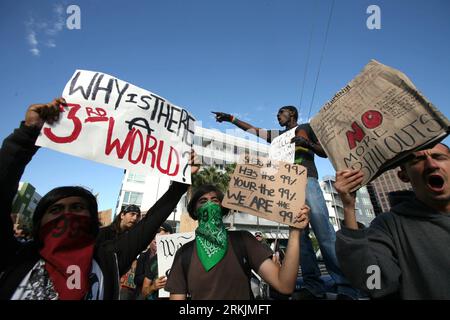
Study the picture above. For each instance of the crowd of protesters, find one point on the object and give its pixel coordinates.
(402, 254)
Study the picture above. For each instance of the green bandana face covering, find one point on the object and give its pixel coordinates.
(211, 236)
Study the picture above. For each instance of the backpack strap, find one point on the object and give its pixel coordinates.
(186, 256)
(237, 243)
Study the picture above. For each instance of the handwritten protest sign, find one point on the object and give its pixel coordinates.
(167, 246)
(281, 148)
(114, 122)
(377, 120)
(273, 190)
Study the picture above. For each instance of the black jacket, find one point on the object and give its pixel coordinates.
(114, 257)
(107, 233)
(410, 245)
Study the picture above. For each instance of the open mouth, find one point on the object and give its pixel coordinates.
(435, 182)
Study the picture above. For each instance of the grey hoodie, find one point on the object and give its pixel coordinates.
(411, 247)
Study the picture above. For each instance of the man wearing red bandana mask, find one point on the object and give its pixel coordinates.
(66, 224)
(64, 261)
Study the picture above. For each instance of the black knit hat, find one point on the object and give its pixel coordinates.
(64, 192)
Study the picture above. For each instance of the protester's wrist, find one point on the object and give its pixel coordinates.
(348, 203)
(233, 120)
(349, 210)
(31, 130)
(294, 231)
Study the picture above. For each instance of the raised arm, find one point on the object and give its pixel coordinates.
(130, 244)
(361, 252)
(283, 278)
(15, 154)
(346, 181)
(226, 117)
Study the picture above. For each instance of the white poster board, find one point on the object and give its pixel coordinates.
(114, 122)
(281, 148)
(167, 246)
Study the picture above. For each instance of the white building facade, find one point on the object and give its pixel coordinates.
(214, 148)
(364, 209)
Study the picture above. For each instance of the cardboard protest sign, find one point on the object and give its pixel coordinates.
(273, 190)
(167, 246)
(376, 120)
(281, 148)
(114, 122)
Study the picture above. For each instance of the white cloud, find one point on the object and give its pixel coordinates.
(35, 51)
(41, 32)
(58, 25)
(32, 41)
(56, 28)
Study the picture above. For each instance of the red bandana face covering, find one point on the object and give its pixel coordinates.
(67, 251)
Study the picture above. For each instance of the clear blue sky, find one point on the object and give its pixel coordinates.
(245, 57)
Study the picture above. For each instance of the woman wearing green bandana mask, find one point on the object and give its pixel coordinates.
(214, 271)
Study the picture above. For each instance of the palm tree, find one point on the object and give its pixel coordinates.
(210, 175)
(207, 175)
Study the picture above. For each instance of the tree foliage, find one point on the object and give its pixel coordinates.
(211, 175)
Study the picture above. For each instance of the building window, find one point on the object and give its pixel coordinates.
(197, 140)
(136, 177)
(207, 161)
(369, 213)
(206, 142)
(132, 198)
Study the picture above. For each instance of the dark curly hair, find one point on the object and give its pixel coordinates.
(204, 189)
